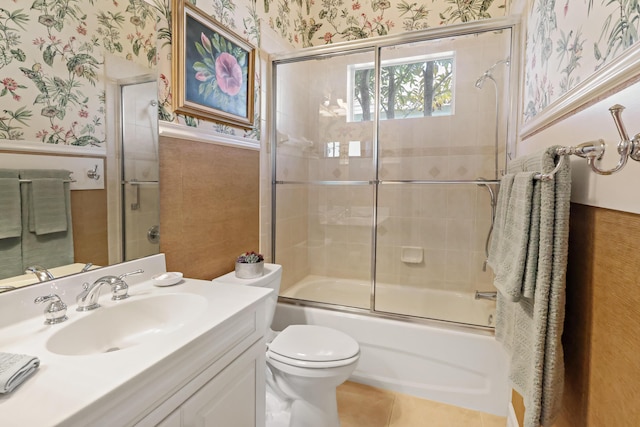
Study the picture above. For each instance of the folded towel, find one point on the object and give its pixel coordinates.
(47, 206)
(10, 221)
(509, 247)
(531, 328)
(14, 369)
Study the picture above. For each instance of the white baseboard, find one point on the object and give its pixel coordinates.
(512, 421)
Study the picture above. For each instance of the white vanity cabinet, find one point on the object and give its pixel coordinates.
(234, 397)
(228, 393)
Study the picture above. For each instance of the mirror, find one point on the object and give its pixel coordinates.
(107, 55)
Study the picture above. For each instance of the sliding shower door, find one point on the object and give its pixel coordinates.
(386, 163)
(324, 183)
(439, 156)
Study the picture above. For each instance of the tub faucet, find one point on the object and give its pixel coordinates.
(42, 273)
(88, 299)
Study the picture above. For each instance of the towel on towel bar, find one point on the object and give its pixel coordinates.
(530, 329)
(51, 249)
(10, 224)
(47, 206)
(511, 238)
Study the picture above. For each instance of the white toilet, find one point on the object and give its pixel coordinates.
(305, 364)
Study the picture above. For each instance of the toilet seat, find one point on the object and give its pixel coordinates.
(311, 346)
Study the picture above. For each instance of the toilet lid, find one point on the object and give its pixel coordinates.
(314, 344)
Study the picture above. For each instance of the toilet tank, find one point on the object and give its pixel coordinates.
(270, 279)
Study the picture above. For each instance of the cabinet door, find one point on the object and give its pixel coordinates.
(232, 398)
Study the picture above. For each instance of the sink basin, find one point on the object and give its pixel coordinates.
(125, 324)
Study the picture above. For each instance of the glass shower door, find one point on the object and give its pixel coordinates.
(441, 143)
(324, 182)
(140, 185)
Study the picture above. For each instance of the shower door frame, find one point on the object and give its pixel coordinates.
(121, 223)
(376, 44)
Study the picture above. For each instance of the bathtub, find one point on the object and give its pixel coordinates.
(442, 362)
(460, 307)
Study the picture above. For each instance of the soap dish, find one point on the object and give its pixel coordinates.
(167, 279)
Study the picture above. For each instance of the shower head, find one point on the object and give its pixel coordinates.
(489, 73)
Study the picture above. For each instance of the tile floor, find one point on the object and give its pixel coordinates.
(364, 406)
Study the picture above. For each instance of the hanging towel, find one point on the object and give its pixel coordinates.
(509, 246)
(530, 329)
(51, 249)
(47, 206)
(10, 224)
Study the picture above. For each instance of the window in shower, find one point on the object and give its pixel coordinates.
(415, 86)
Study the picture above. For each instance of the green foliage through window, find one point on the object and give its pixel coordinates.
(413, 88)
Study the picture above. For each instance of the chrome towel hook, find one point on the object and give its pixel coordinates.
(93, 173)
(626, 147)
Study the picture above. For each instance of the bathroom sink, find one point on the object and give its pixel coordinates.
(126, 324)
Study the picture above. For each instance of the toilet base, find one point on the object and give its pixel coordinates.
(301, 413)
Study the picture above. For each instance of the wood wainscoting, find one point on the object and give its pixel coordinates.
(601, 340)
(209, 206)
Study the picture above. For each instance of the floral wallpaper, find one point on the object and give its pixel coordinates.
(52, 51)
(51, 65)
(307, 23)
(569, 41)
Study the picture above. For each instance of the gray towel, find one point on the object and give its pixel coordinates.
(47, 206)
(531, 328)
(14, 369)
(52, 249)
(509, 246)
(10, 224)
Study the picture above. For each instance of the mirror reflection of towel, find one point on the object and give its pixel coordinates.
(47, 206)
(10, 220)
(10, 224)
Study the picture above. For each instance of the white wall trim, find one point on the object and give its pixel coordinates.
(599, 84)
(174, 130)
(512, 420)
(30, 146)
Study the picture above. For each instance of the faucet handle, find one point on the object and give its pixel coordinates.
(119, 287)
(131, 273)
(56, 310)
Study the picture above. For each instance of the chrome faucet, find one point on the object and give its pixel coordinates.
(42, 273)
(88, 298)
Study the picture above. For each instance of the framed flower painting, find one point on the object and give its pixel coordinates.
(213, 70)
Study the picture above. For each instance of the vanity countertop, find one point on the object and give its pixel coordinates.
(74, 389)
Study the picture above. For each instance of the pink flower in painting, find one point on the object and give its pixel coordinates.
(16, 97)
(228, 74)
(81, 30)
(83, 113)
(202, 76)
(355, 6)
(327, 37)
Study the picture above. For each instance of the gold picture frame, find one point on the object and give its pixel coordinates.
(213, 69)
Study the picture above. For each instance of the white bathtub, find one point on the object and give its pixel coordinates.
(440, 362)
(437, 304)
